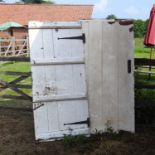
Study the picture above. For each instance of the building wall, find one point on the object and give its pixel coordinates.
(20, 33)
(17, 33)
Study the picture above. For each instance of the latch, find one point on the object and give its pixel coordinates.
(81, 122)
(82, 37)
(129, 66)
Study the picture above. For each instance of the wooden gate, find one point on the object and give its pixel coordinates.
(14, 47)
(59, 80)
(13, 79)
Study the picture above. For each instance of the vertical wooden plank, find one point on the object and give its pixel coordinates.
(48, 46)
(125, 79)
(79, 80)
(71, 112)
(38, 76)
(94, 73)
(41, 119)
(64, 83)
(109, 76)
(36, 44)
(52, 115)
(102, 74)
(50, 86)
(72, 47)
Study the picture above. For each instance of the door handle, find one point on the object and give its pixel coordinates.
(129, 66)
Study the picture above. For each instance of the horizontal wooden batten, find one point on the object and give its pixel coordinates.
(61, 98)
(56, 27)
(58, 61)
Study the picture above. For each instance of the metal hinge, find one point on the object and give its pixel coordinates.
(82, 37)
(37, 106)
(81, 122)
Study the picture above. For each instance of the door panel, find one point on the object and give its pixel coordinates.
(72, 47)
(59, 83)
(60, 80)
(72, 112)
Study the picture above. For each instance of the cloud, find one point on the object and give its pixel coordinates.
(101, 5)
(100, 8)
(132, 11)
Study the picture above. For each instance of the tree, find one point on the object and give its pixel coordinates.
(140, 27)
(37, 1)
(111, 16)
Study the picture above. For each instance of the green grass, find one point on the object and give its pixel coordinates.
(140, 50)
(17, 67)
(143, 96)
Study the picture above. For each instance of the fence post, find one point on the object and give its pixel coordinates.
(27, 45)
(0, 47)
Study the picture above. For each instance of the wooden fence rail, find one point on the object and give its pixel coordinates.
(19, 59)
(15, 85)
(144, 62)
(14, 47)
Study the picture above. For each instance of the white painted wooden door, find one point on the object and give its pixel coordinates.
(59, 80)
(110, 70)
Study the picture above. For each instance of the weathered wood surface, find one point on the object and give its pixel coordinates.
(110, 86)
(59, 81)
(137, 61)
(125, 54)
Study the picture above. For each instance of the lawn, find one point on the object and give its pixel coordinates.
(140, 50)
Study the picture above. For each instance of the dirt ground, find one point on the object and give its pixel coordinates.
(17, 138)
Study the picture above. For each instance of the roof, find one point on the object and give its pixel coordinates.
(23, 13)
(9, 25)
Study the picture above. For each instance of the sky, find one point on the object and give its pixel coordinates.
(134, 9)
